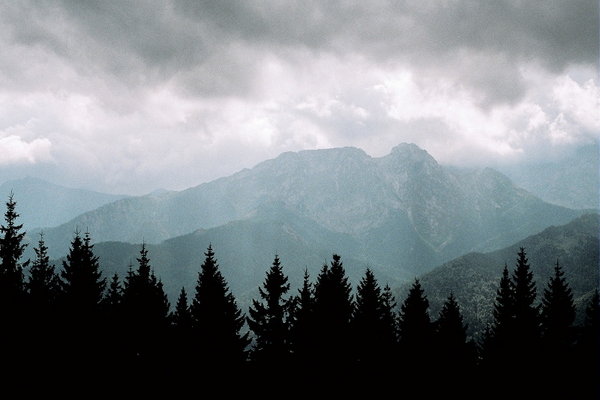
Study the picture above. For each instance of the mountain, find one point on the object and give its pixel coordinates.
(245, 250)
(573, 181)
(404, 209)
(43, 204)
(474, 277)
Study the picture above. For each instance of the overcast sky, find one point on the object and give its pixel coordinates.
(129, 96)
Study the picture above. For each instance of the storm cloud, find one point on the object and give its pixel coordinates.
(128, 96)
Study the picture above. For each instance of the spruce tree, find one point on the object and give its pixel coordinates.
(333, 313)
(43, 284)
(42, 293)
(558, 315)
(498, 337)
(181, 337)
(389, 320)
(81, 295)
(145, 312)
(368, 321)
(217, 320)
(182, 316)
(526, 337)
(11, 267)
(416, 330)
(303, 329)
(455, 354)
(269, 319)
(82, 283)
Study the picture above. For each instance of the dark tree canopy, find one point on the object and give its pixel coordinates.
(269, 318)
(217, 320)
(558, 313)
(82, 282)
(455, 354)
(333, 312)
(11, 251)
(415, 327)
(303, 324)
(370, 322)
(43, 284)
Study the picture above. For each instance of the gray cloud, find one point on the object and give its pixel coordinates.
(120, 91)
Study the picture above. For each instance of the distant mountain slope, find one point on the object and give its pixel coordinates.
(573, 181)
(43, 204)
(473, 278)
(245, 249)
(404, 209)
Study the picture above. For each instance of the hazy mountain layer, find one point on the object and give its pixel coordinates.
(43, 204)
(572, 182)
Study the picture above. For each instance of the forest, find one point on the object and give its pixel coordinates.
(71, 321)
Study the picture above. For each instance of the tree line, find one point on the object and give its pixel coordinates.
(75, 318)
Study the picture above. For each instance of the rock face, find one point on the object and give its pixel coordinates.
(404, 211)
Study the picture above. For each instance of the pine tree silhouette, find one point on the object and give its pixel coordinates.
(81, 295)
(333, 313)
(498, 338)
(389, 318)
(181, 337)
(416, 331)
(11, 269)
(146, 310)
(558, 315)
(182, 316)
(269, 319)
(455, 354)
(526, 315)
(303, 325)
(43, 284)
(217, 320)
(368, 323)
(42, 288)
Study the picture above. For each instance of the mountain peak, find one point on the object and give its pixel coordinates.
(410, 151)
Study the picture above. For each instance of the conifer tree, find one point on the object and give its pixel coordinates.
(11, 267)
(269, 319)
(146, 310)
(217, 320)
(526, 337)
(82, 283)
(389, 320)
(42, 294)
(499, 336)
(82, 287)
(368, 321)
(454, 353)
(333, 313)
(416, 330)
(182, 316)
(43, 284)
(558, 315)
(114, 297)
(303, 329)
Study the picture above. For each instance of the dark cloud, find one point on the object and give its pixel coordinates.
(224, 42)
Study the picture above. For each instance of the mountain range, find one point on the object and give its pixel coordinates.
(403, 212)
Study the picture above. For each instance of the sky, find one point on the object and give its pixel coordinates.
(131, 96)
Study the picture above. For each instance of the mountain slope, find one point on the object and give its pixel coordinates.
(245, 249)
(474, 277)
(403, 208)
(43, 204)
(573, 181)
